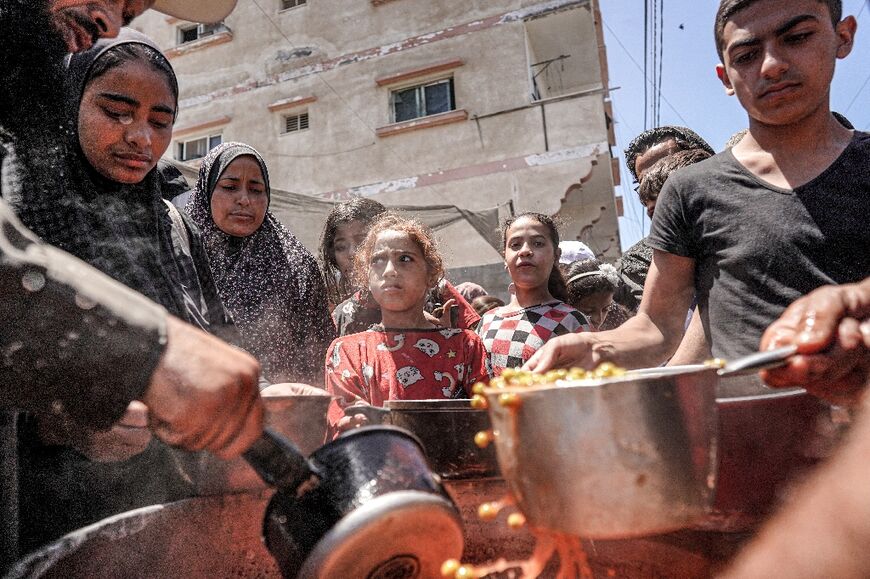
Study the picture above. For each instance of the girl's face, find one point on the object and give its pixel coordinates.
(348, 237)
(239, 200)
(398, 273)
(125, 121)
(595, 307)
(529, 253)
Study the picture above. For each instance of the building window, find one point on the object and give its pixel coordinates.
(295, 123)
(196, 31)
(423, 100)
(287, 4)
(197, 148)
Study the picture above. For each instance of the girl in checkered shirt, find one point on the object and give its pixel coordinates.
(537, 310)
(407, 356)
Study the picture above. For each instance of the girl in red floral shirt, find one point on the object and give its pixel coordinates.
(406, 357)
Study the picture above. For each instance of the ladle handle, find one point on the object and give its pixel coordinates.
(759, 361)
(278, 461)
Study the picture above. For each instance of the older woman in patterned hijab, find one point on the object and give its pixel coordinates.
(266, 278)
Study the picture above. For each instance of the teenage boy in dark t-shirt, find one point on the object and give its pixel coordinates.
(777, 216)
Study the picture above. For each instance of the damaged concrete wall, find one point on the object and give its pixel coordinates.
(334, 60)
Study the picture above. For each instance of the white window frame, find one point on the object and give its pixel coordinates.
(291, 4)
(181, 146)
(202, 31)
(421, 87)
(302, 119)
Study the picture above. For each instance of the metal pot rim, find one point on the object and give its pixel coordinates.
(435, 405)
(369, 430)
(285, 397)
(633, 376)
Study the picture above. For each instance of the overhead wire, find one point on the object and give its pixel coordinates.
(639, 68)
(857, 94)
(630, 209)
(661, 59)
(645, 63)
(655, 60)
(864, 5)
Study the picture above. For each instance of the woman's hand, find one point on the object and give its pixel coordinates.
(354, 416)
(351, 422)
(441, 317)
(127, 437)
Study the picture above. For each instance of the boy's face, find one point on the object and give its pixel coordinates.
(779, 58)
(83, 22)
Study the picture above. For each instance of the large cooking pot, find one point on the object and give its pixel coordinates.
(629, 456)
(221, 537)
(612, 458)
(365, 505)
(446, 428)
(766, 442)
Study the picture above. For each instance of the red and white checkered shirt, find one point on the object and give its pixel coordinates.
(512, 336)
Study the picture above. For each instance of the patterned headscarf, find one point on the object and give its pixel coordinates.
(268, 281)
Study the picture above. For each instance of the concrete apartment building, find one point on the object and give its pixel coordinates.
(484, 104)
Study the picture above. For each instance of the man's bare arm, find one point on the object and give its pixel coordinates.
(648, 339)
(694, 348)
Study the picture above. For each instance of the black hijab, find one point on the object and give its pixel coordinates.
(122, 230)
(31, 100)
(268, 281)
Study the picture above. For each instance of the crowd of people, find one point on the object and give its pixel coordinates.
(132, 326)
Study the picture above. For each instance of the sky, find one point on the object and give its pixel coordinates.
(692, 96)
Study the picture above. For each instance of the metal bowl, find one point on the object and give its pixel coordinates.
(610, 459)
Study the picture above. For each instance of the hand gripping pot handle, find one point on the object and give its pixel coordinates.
(278, 461)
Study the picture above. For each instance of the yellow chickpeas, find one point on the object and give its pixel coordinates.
(517, 378)
(509, 400)
(449, 568)
(465, 572)
(516, 521)
(483, 438)
(487, 511)
(479, 402)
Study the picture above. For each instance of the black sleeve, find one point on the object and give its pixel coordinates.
(71, 338)
(318, 330)
(632, 268)
(671, 230)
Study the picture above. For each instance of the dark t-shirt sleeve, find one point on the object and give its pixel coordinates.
(70, 334)
(671, 230)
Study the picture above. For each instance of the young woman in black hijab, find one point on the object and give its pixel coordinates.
(267, 279)
(122, 101)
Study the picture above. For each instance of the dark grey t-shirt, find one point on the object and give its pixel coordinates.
(758, 247)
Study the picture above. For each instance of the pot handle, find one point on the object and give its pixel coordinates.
(759, 361)
(374, 414)
(279, 462)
